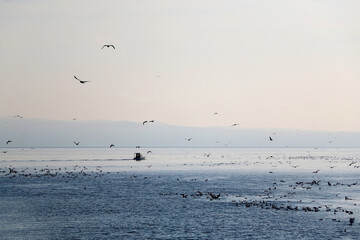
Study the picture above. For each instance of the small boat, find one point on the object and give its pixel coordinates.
(138, 157)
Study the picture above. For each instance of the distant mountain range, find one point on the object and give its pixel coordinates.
(25, 132)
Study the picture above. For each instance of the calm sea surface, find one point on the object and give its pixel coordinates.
(190, 193)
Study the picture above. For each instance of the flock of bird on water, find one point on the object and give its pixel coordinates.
(268, 199)
(278, 196)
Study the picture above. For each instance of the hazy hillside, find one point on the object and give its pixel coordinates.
(49, 133)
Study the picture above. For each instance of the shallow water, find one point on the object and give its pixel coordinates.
(102, 194)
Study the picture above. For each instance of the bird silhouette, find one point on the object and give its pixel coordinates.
(270, 138)
(18, 116)
(214, 196)
(81, 81)
(234, 125)
(76, 143)
(108, 45)
(207, 155)
(316, 171)
(150, 121)
(112, 145)
(188, 139)
(9, 141)
(215, 113)
(149, 152)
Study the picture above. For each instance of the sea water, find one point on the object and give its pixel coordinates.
(187, 193)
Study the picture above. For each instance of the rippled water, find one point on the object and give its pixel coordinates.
(103, 194)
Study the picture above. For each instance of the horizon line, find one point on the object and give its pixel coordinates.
(169, 124)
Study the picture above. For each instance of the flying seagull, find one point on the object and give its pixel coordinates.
(234, 125)
(76, 143)
(18, 116)
(150, 121)
(270, 138)
(9, 141)
(189, 139)
(215, 113)
(112, 145)
(108, 45)
(81, 81)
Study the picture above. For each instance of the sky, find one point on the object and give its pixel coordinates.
(259, 63)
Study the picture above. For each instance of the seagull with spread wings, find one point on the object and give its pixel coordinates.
(108, 45)
(81, 81)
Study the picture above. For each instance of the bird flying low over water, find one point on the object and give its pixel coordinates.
(148, 152)
(76, 143)
(108, 45)
(234, 125)
(188, 139)
(9, 141)
(144, 122)
(81, 81)
(18, 116)
(215, 113)
(270, 138)
(112, 145)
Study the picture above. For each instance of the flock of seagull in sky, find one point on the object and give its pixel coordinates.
(144, 122)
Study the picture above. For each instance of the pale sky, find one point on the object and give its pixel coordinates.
(262, 64)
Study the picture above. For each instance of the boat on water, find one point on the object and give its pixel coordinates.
(138, 157)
